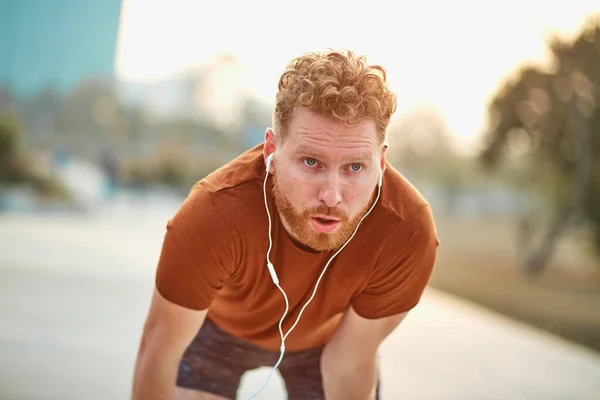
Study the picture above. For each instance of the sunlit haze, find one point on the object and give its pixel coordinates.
(449, 55)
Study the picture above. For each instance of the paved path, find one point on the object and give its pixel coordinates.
(74, 291)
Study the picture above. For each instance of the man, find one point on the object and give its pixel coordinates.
(245, 237)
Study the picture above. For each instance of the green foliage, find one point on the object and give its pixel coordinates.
(12, 167)
(549, 120)
(9, 138)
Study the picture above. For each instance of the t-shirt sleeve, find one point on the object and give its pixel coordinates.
(197, 257)
(397, 286)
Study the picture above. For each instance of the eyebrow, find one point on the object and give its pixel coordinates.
(363, 156)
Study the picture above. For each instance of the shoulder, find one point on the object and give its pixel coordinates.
(404, 237)
(222, 201)
(226, 188)
(405, 221)
(248, 167)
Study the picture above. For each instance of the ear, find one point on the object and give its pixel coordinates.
(382, 159)
(269, 146)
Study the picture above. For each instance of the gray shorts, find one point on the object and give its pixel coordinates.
(215, 362)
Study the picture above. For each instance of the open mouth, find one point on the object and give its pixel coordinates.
(324, 224)
(324, 220)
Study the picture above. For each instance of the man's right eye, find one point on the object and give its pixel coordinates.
(311, 162)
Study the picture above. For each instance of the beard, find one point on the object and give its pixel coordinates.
(301, 229)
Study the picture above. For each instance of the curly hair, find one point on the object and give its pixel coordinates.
(337, 84)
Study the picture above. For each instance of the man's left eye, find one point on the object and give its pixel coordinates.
(356, 167)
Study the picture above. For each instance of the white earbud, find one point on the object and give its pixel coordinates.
(386, 144)
(269, 161)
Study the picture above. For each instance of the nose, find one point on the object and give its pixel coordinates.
(331, 191)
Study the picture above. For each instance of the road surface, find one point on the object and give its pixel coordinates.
(74, 291)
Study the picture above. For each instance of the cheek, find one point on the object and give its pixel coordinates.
(297, 189)
(304, 191)
(358, 196)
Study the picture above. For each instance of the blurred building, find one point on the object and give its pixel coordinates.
(56, 43)
(215, 91)
(167, 98)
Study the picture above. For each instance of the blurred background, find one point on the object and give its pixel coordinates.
(110, 110)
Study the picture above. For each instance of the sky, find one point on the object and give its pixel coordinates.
(447, 55)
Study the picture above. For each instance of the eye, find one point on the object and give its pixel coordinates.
(311, 162)
(356, 167)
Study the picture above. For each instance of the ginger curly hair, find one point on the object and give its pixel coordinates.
(337, 84)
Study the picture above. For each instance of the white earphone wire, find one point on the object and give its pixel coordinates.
(276, 280)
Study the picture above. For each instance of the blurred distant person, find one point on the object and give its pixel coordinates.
(312, 225)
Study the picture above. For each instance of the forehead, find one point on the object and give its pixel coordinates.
(310, 131)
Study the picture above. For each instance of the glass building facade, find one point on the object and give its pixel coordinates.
(56, 43)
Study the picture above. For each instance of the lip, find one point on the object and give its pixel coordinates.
(324, 227)
(327, 217)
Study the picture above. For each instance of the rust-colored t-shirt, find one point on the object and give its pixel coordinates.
(214, 257)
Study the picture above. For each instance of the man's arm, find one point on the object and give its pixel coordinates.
(168, 330)
(348, 363)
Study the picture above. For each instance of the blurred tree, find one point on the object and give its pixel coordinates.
(12, 167)
(94, 117)
(94, 122)
(420, 142)
(550, 122)
(422, 147)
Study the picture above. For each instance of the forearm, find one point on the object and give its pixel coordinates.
(347, 380)
(155, 376)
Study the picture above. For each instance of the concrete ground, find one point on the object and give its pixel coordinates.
(74, 291)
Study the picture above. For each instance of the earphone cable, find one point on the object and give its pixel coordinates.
(276, 279)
